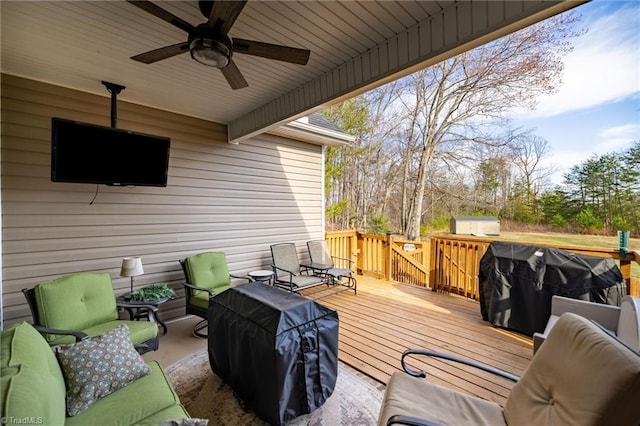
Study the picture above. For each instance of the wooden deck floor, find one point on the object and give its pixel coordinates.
(385, 318)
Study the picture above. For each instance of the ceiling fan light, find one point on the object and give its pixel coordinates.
(210, 52)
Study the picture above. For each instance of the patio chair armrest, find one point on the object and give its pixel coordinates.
(471, 363)
(240, 277)
(79, 335)
(343, 258)
(399, 419)
(277, 268)
(195, 287)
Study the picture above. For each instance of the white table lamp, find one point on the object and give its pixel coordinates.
(131, 267)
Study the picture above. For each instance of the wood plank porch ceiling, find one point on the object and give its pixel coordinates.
(355, 46)
(385, 318)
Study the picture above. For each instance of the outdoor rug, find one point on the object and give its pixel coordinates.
(356, 398)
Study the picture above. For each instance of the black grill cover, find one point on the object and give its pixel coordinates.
(277, 350)
(517, 282)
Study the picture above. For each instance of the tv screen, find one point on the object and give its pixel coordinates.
(88, 153)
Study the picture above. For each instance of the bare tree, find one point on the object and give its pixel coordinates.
(360, 176)
(428, 133)
(479, 85)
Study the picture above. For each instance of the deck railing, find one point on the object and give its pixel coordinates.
(372, 255)
(383, 256)
(455, 262)
(409, 262)
(455, 265)
(448, 263)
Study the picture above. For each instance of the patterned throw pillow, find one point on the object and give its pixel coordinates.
(98, 366)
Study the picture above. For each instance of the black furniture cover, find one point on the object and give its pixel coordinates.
(277, 350)
(517, 281)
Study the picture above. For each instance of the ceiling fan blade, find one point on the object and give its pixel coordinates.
(271, 51)
(224, 14)
(234, 76)
(163, 14)
(161, 53)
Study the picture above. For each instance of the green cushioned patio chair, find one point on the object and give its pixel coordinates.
(85, 302)
(207, 275)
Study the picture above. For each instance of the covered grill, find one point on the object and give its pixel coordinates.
(277, 350)
(517, 282)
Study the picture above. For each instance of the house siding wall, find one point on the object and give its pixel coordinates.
(239, 199)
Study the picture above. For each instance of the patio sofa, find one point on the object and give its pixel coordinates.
(33, 388)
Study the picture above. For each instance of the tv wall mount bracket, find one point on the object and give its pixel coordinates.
(115, 90)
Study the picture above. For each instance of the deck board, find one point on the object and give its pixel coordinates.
(386, 318)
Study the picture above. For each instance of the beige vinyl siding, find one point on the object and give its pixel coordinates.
(220, 197)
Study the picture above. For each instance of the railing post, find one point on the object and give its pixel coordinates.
(353, 248)
(387, 257)
(359, 244)
(625, 269)
(433, 263)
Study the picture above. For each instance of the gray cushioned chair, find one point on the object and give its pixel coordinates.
(623, 320)
(582, 375)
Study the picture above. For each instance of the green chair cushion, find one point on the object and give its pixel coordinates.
(201, 298)
(208, 270)
(139, 331)
(145, 401)
(76, 302)
(32, 383)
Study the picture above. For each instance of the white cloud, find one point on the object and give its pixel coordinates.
(561, 162)
(617, 138)
(607, 141)
(604, 65)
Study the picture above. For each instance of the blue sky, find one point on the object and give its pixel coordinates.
(597, 108)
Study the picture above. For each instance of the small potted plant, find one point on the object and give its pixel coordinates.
(152, 293)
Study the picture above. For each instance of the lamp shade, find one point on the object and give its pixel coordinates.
(131, 267)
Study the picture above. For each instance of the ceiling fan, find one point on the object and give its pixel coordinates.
(209, 43)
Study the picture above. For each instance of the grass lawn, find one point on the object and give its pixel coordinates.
(567, 239)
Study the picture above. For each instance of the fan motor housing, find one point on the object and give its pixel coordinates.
(210, 47)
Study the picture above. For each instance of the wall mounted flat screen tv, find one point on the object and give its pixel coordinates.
(88, 153)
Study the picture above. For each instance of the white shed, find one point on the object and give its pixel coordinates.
(475, 225)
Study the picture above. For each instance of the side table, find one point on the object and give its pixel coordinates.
(137, 312)
(262, 275)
